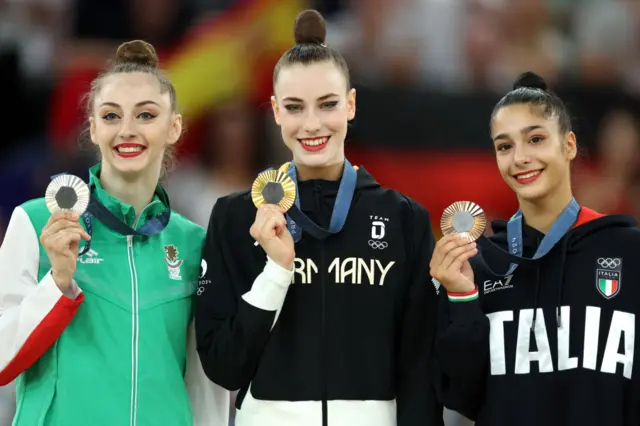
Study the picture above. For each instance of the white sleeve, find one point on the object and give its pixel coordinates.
(270, 289)
(210, 403)
(32, 314)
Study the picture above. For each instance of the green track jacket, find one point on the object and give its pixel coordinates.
(119, 348)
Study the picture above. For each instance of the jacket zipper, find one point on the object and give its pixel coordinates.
(323, 331)
(133, 410)
(325, 408)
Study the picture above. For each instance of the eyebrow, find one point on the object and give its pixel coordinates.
(139, 104)
(321, 98)
(523, 131)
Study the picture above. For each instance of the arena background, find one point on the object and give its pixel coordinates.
(427, 74)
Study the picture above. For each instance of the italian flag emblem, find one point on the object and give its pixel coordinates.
(608, 282)
(608, 287)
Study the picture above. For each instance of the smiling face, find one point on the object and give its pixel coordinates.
(533, 155)
(312, 105)
(133, 123)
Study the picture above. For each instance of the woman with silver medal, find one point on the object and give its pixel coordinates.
(540, 327)
(97, 279)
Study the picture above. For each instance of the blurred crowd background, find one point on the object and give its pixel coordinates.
(427, 73)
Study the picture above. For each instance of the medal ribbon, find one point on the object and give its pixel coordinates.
(298, 221)
(559, 229)
(153, 226)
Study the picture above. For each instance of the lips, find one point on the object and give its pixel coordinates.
(129, 150)
(528, 176)
(314, 144)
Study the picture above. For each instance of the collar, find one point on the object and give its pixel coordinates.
(159, 204)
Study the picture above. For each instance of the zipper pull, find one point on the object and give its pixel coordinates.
(130, 240)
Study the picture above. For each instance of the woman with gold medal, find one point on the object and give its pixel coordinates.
(317, 307)
(539, 329)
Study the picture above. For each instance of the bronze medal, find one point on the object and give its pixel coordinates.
(465, 218)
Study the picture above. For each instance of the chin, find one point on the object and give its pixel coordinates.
(323, 158)
(314, 162)
(130, 166)
(531, 194)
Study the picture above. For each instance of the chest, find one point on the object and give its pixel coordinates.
(579, 314)
(599, 278)
(368, 256)
(136, 273)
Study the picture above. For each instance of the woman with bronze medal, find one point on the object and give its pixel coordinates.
(329, 319)
(538, 328)
(97, 279)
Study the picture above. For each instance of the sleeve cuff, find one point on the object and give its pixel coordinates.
(49, 283)
(74, 291)
(463, 297)
(270, 287)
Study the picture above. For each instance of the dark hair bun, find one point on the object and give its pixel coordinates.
(531, 80)
(137, 52)
(310, 28)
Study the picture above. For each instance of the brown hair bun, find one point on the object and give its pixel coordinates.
(310, 28)
(137, 52)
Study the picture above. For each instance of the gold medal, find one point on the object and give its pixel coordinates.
(274, 187)
(465, 218)
(67, 193)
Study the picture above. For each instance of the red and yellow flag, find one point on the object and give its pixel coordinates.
(218, 60)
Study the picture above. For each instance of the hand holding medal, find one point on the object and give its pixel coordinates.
(462, 223)
(273, 193)
(67, 198)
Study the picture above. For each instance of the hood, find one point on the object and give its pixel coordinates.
(589, 222)
(317, 196)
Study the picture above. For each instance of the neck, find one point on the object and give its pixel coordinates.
(331, 172)
(135, 190)
(541, 214)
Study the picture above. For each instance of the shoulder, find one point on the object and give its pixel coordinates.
(623, 239)
(620, 231)
(186, 226)
(36, 207)
(35, 211)
(232, 210)
(410, 209)
(23, 231)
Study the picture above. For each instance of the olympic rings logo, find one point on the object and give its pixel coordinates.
(609, 262)
(378, 245)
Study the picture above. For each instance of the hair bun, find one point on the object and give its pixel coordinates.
(531, 80)
(310, 28)
(137, 52)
